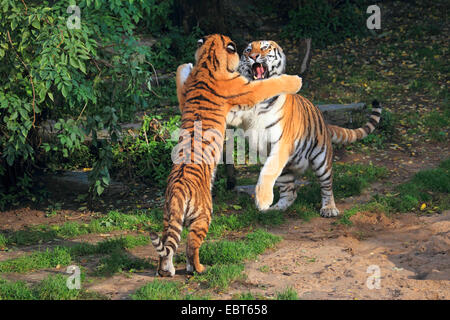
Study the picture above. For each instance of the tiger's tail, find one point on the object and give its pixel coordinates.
(159, 246)
(344, 136)
(176, 207)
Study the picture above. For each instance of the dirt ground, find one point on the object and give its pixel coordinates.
(318, 258)
(323, 261)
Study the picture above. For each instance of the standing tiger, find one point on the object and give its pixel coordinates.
(295, 130)
(211, 88)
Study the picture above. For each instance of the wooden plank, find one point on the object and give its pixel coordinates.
(340, 107)
(250, 189)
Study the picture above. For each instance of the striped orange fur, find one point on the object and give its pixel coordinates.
(295, 130)
(211, 88)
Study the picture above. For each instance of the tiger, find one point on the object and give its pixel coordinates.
(211, 88)
(294, 129)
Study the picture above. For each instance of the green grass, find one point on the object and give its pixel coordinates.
(372, 206)
(15, 291)
(3, 241)
(224, 251)
(220, 276)
(225, 258)
(249, 296)
(427, 191)
(244, 296)
(430, 187)
(264, 269)
(158, 290)
(438, 124)
(287, 294)
(38, 260)
(114, 220)
(120, 262)
(165, 290)
(63, 256)
(54, 287)
(348, 180)
(110, 245)
(240, 214)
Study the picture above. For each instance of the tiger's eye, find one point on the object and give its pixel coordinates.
(231, 48)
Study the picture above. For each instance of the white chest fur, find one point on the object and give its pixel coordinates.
(262, 123)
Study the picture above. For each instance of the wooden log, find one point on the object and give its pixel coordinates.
(344, 115)
(250, 189)
(341, 107)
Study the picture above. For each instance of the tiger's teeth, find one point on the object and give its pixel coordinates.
(254, 78)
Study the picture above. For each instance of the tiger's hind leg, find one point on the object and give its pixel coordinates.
(197, 233)
(171, 238)
(322, 166)
(288, 191)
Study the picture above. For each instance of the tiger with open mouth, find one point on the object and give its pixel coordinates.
(294, 129)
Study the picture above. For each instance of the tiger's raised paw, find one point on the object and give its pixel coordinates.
(293, 83)
(263, 197)
(328, 212)
(183, 72)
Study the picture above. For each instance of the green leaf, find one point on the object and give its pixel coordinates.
(74, 62)
(100, 189)
(64, 91)
(82, 66)
(36, 24)
(105, 180)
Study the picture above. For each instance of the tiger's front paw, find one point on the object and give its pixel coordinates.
(263, 197)
(294, 84)
(165, 273)
(328, 212)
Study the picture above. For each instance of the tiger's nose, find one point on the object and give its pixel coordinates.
(254, 56)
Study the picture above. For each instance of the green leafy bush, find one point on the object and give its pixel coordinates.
(62, 84)
(147, 155)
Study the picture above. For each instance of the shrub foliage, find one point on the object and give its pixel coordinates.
(62, 84)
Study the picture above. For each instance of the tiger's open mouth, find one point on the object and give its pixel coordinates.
(259, 71)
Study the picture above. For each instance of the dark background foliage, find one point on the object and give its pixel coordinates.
(66, 92)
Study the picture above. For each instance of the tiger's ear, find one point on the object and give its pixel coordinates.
(183, 72)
